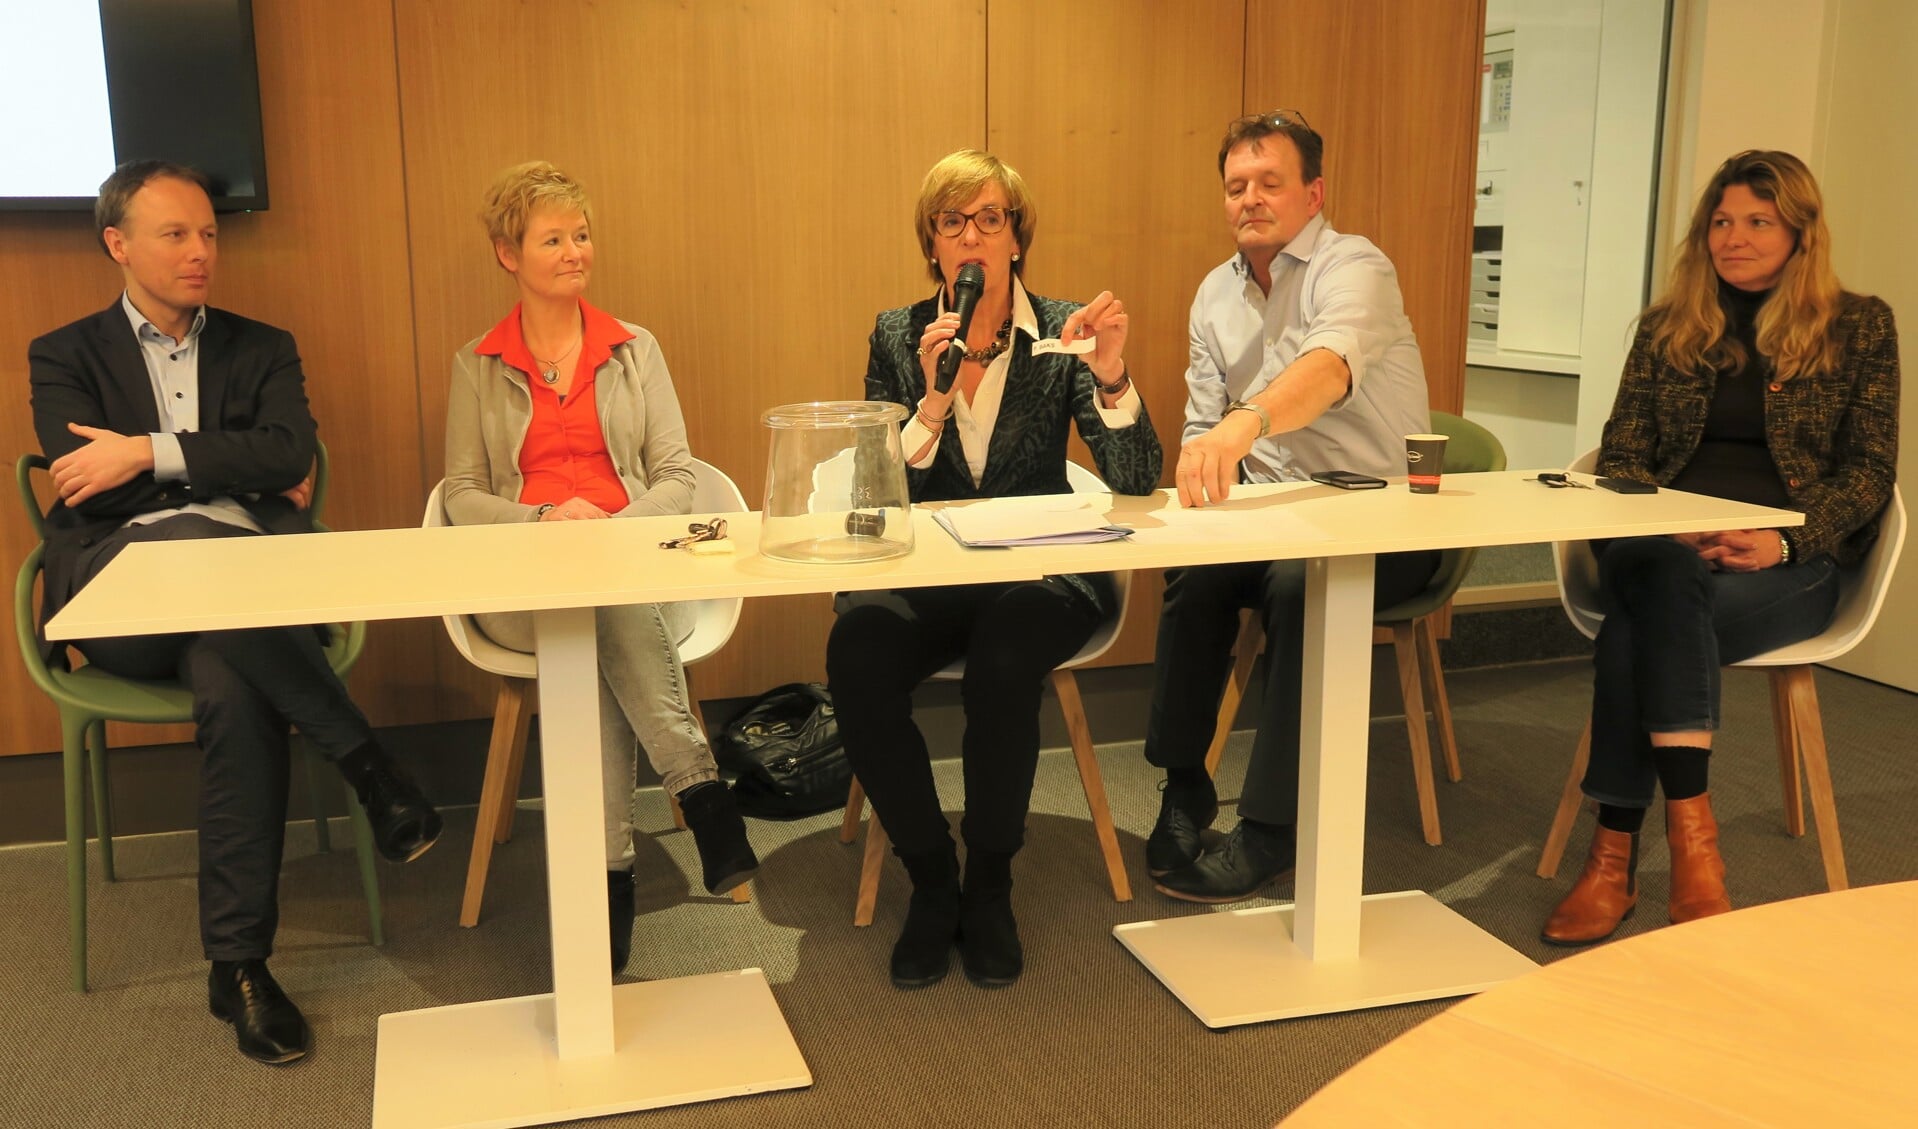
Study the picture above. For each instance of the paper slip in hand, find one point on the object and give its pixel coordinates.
(990, 526)
(1054, 345)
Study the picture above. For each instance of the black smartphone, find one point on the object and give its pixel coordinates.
(1627, 486)
(1349, 480)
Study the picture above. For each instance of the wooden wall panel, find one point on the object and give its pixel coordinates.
(753, 169)
(1393, 87)
(1113, 111)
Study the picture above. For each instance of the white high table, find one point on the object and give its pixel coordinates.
(589, 1048)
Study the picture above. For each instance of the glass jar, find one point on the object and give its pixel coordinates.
(835, 483)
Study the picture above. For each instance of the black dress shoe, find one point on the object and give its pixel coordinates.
(405, 823)
(1184, 814)
(619, 916)
(269, 1027)
(1245, 862)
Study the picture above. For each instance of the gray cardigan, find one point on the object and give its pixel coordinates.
(490, 407)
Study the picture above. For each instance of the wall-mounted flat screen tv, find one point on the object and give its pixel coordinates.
(91, 83)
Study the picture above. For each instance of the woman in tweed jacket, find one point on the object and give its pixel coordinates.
(1000, 429)
(1754, 378)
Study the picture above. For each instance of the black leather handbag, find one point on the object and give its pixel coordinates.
(785, 754)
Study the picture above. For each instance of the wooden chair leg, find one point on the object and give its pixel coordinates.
(1435, 689)
(855, 807)
(522, 721)
(102, 800)
(1808, 725)
(496, 790)
(1245, 652)
(1790, 753)
(1569, 802)
(1067, 687)
(1405, 648)
(869, 865)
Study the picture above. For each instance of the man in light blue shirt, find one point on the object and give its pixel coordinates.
(1302, 360)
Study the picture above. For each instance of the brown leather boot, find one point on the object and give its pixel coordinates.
(1698, 874)
(1604, 895)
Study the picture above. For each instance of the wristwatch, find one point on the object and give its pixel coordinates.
(540, 514)
(1784, 548)
(1265, 418)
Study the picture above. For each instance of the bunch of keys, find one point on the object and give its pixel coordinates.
(698, 531)
(1558, 480)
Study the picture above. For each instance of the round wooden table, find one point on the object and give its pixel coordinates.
(1802, 1012)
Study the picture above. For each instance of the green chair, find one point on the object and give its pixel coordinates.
(1470, 448)
(88, 698)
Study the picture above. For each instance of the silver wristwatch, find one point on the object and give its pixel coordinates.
(1265, 417)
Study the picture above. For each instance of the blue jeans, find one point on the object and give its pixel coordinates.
(1670, 623)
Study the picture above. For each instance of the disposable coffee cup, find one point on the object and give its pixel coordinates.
(1424, 459)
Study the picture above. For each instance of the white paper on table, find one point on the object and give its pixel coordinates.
(1054, 345)
(1028, 521)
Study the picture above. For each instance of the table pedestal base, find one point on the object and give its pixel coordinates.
(1241, 966)
(493, 1064)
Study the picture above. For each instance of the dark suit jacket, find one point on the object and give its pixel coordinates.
(1044, 398)
(256, 435)
(1833, 435)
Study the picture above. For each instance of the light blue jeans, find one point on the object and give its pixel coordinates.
(643, 704)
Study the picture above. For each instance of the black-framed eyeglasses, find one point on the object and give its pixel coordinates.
(714, 530)
(990, 220)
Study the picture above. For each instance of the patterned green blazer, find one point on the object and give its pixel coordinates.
(1044, 397)
(1833, 435)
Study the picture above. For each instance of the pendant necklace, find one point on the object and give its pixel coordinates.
(549, 370)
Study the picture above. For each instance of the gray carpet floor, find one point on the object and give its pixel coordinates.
(1088, 1037)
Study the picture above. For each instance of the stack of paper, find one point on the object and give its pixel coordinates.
(1006, 522)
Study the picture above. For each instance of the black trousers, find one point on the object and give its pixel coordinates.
(1011, 636)
(248, 686)
(1194, 657)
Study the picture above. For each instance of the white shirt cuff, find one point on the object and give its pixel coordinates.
(1123, 414)
(169, 465)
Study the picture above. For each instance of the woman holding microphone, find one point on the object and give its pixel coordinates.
(998, 429)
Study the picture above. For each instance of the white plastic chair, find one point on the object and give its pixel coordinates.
(1066, 686)
(513, 708)
(1794, 696)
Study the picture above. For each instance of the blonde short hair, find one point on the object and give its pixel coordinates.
(522, 190)
(954, 181)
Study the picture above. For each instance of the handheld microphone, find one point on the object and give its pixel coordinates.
(965, 295)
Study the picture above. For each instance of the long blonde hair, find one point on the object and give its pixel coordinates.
(1794, 325)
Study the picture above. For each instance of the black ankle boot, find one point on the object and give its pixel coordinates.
(719, 831)
(923, 952)
(988, 936)
(619, 916)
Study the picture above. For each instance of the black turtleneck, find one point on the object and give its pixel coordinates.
(1733, 459)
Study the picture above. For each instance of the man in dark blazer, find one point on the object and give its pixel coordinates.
(166, 419)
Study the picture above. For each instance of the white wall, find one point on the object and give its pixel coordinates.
(1532, 414)
(1866, 157)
